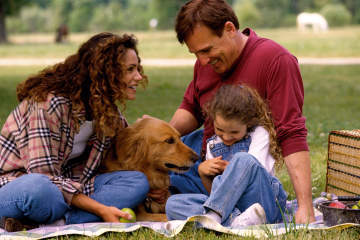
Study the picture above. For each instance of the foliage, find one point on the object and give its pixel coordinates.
(336, 15)
(12, 7)
(81, 15)
(272, 11)
(166, 17)
(247, 13)
(138, 14)
(31, 19)
(61, 10)
(106, 17)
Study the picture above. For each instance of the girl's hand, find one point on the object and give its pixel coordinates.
(113, 214)
(212, 167)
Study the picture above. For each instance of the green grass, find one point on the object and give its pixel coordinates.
(337, 42)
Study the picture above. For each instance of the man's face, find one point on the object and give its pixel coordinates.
(219, 52)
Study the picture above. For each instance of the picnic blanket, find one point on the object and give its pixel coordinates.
(171, 228)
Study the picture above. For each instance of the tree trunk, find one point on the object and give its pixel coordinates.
(3, 37)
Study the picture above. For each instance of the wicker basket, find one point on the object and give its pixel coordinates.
(343, 165)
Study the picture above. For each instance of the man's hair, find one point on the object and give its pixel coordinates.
(211, 13)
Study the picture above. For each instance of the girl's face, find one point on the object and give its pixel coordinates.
(229, 130)
(132, 75)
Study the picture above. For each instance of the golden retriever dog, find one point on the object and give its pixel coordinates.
(153, 147)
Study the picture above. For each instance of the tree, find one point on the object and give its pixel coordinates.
(166, 11)
(8, 7)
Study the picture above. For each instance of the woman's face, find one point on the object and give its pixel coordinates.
(132, 76)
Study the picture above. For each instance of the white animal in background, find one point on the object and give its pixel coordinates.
(313, 21)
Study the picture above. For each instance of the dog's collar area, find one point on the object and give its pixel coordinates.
(147, 205)
(170, 165)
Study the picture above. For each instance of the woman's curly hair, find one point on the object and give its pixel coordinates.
(246, 105)
(92, 79)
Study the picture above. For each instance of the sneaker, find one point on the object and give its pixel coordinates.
(214, 216)
(253, 215)
(15, 225)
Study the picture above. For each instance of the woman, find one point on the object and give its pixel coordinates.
(52, 143)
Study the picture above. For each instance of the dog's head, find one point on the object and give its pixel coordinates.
(153, 143)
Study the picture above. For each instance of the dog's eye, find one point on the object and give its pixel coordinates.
(170, 140)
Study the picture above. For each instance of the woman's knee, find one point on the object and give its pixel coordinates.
(38, 186)
(123, 179)
(141, 182)
(36, 197)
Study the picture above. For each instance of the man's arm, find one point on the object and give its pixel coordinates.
(298, 166)
(184, 121)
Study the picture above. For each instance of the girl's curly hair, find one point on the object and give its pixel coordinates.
(92, 79)
(246, 105)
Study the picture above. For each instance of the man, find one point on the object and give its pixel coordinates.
(225, 55)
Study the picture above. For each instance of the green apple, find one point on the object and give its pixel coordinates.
(131, 212)
(329, 196)
(355, 207)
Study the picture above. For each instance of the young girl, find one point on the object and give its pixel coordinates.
(53, 142)
(238, 172)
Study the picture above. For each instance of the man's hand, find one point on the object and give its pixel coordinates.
(304, 215)
(212, 167)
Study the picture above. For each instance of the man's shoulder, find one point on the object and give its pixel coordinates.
(263, 45)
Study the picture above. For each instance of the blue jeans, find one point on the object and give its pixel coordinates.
(244, 182)
(189, 182)
(36, 198)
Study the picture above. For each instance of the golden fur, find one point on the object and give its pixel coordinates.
(153, 147)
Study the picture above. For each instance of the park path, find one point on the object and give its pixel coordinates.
(170, 62)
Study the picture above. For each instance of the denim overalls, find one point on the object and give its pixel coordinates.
(220, 149)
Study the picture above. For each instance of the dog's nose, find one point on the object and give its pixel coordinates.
(194, 157)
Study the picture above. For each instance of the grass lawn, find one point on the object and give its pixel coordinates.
(331, 103)
(337, 42)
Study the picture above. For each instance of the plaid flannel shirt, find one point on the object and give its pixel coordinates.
(38, 137)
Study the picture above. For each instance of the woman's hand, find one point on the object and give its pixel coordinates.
(113, 214)
(107, 213)
(212, 167)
